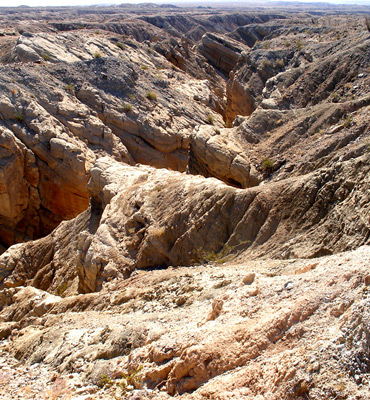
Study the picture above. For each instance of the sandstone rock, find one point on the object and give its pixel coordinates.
(249, 278)
(220, 51)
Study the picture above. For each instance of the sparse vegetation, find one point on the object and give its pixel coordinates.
(97, 54)
(335, 96)
(279, 63)
(152, 96)
(126, 383)
(299, 45)
(348, 121)
(267, 164)
(61, 289)
(70, 87)
(202, 256)
(19, 117)
(126, 108)
(144, 67)
(265, 45)
(266, 63)
(210, 119)
(120, 45)
(45, 56)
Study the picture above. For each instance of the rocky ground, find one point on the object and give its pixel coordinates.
(184, 203)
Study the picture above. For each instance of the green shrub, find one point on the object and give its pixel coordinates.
(144, 67)
(120, 45)
(279, 63)
(46, 56)
(126, 108)
(299, 44)
(70, 87)
(62, 288)
(97, 54)
(266, 63)
(202, 256)
(210, 119)
(127, 383)
(152, 96)
(19, 117)
(267, 164)
(348, 121)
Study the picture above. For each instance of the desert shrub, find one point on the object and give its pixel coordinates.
(120, 45)
(210, 119)
(279, 63)
(266, 63)
(299, 44)
(348, 121)
(70, 87)
(45, 56)
(202, 256)
(126, 108)
(97, 54)
(144, 67)
(267, 164)
(127, 383)
(61, 289)
(19, 117)
(152, 96)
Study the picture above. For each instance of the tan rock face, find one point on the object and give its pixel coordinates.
(142, 218)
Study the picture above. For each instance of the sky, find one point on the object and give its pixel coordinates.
(33, 3)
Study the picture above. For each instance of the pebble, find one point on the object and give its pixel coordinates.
(249, 278)
(289, 285)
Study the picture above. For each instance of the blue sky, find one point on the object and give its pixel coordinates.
(33, 3)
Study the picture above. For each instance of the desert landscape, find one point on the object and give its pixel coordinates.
(184, 202)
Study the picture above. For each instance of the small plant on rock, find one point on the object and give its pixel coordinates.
(279, 63)
(266, 63)
(46, 56)
(210, 119)
(348, 121)
(127, 383)
(202, 256)
(120, 45)
(19, 117)
(267, 164)
(70, 87)
(61, 289)
(152, 96)
(299, 45)
(97, 54)
(126, 108)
